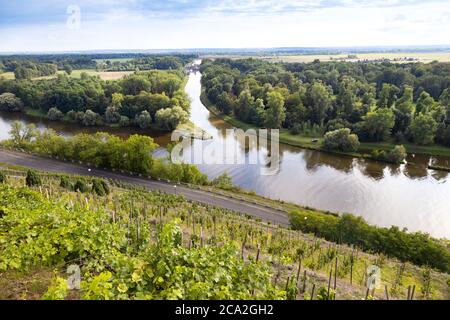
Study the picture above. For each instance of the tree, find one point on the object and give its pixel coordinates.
(144, 120)
(346, 98)
(68, 69)
(377, 125)
(276, 112)
(124, 121)
(341, 140)
(423, 129)
(388, 96)
(425, 103)
(170, 118)
(112, 114)
(404, 111)
(54, 114)
(21, 133)
(91, 118)
(318, 101)
(244, 105)
(9, 102)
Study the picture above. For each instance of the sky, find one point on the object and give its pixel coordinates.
(76, 25)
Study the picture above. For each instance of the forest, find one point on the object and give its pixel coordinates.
(376, 102)
(146, 99)
(32, 66)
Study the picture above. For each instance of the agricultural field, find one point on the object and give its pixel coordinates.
(113, 75)
(400, 57)
(144, 237)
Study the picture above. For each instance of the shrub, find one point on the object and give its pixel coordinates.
(124, 121)
(54, 114)
(223, 181)
(65, 183)
(80, 186)
(100, 187)
(33, 179)
(2, 177)
(144, 120)
(9, 102)
(396, 155)
(341, 140)
(418, 248)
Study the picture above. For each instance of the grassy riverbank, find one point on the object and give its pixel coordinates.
(307, 142)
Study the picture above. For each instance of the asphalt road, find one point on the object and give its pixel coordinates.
(241, 206)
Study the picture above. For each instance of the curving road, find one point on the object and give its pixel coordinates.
(241, 206)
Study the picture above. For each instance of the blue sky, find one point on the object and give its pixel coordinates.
(27, 25)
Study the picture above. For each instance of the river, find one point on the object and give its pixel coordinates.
(408, 196)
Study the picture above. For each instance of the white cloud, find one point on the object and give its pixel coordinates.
(236, 23)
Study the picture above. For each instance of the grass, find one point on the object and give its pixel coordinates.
(8, 75)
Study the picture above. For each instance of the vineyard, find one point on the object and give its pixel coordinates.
(132, 244)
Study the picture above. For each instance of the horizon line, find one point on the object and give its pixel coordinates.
(248, 49)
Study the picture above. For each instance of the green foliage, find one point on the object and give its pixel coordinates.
(91, 101)
(58, 290)
(100, 187)
(276, 112)
(341, 140)
(65, 183)
(33, 179)
(36, 231)
(418, 248)
(377, 125)
(396, 155)
(54, 114)
(170, 118)
(9, 102)
(3, 177)
(168, 270)
(224, 181)
(377, 101)
(144, 120)
(423, 129)
(80, 186)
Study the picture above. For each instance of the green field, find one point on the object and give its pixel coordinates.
(7, 75)
(76, 74)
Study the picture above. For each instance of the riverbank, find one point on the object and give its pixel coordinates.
(365, 148)
(187, 129)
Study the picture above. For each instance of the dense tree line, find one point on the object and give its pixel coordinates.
(42, 65)
(153, 98)
(27, 69)
(418, 248)
(147, 63)
(134, 154)
(376, 101)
